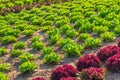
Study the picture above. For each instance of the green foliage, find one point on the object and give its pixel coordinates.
(89, 13)
(83, 36)
(21, 27)
(78, 23)
(36, 21)
(86, 27)
(3, 51)
(107, 36)
(47, 23)
(52, 58)
(8, 39)
(60, 23)
(3, 76)
(19, 3)
(62, 42)
(64, 28)
(117, 30)
(19, 45)
(54, 38)
(12, 32)
(71, 33)
(27, 67)
(75, 18)
(16, 52)
(47, 50)
(100, 29)
(92, 43)
(54, 35)
(34, 39)
(46, 28)
(10, 4)
(5, 67)
(72, 49)
(37, 45)
(28, 32)
(26, 57)
(63, 12)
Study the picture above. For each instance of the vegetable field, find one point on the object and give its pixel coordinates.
(59, 40)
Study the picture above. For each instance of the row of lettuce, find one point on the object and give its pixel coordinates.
(88, 67)
(7, 6)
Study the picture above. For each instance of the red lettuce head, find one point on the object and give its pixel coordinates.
(63, 71)
(89, 60)
(113, 63)
(69, 78)
(105, 52)
(93, 73)
(38, 78)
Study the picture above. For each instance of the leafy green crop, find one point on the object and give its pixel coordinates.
(52, 58)
(108, 36)
(92, 43)
(27, 66)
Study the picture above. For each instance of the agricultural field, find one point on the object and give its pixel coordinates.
(59, 39)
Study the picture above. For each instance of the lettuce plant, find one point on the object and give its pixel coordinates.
(62, 42)
(47, 50)
(35, 38)
(61, 23)
(100, 29)
(37, 45)
(19, 45)
(75, 18)
(117, 30)
(5, 67)
(26, 57)
(13, 32)
(86, 27)
(71, 33)
(21, 27)
(72, 49)
(3, 76)
(36, 21)
(84, 36)
(64, 28)
(3, 51)
(54, 38)
(27, 66)
(16, 52)
(47, 23)
(107, 36)
(52, 58)
(28, 32)
(63, 72)
(89, 60)
(46, 28)
(105, 52)
(92, 43)
(94, 73)
(112, 63)
(8, 39)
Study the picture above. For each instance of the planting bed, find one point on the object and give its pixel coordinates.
(73, 40)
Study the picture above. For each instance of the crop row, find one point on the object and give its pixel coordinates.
(18, 5)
